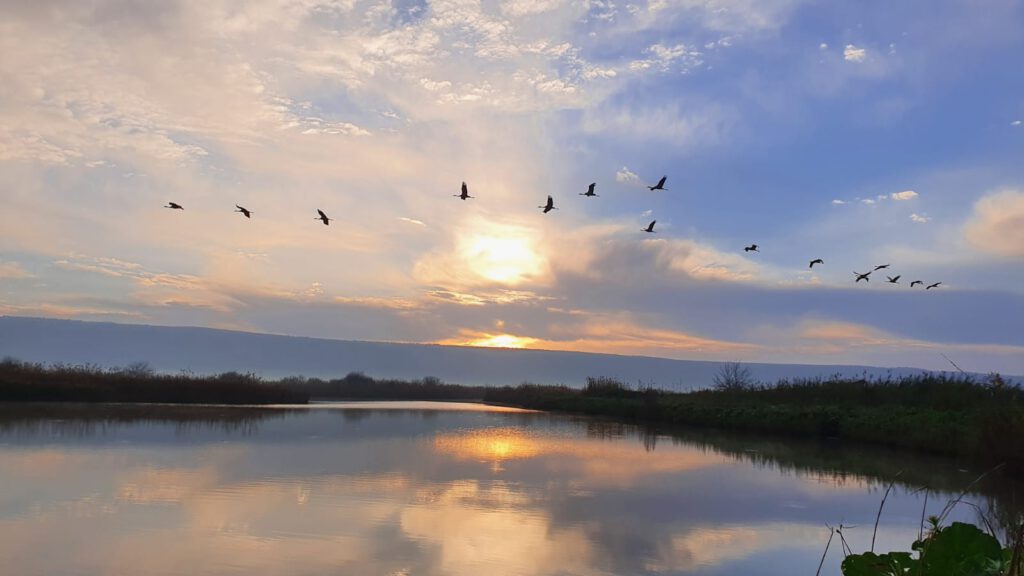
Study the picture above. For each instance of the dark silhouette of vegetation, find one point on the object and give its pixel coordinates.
(358, 386)
(732, 377)
(954, 415)
(28, 382)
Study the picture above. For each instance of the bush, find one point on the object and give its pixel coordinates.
(733, 377)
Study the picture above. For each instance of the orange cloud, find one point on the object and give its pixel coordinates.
(611, 334)
(997, 225)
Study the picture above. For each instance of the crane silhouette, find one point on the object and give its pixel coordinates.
(881, 267)
(751, 248)
(245, 211)
(816, 261)
(323, 217)
(465, 192)
(930, 286)
(650, 227)
(915, 282)
(660, 185)
(549, 206)
(174, 206)
(590, 190)
(863, 276)
(893, 280)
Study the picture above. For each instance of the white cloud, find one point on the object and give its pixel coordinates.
(868, 201)
(854, 54)
(920, 218)
(1015, 123)
(838, 202)
(626, 176)
(904, 195)
(412, 221)
(664, 58)
(528, 7)
(823, 46)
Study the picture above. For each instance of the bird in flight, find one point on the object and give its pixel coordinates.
(816, 261)
(465, 192)
(245, 211)
(881, 267)
(650, 227)
(915, 282)
(174, 206)
(863, 276)
(323, 217)
(549, 206)
(660, 185)
(751, 248)
(590, 190)
(930, 286)
(893, 280)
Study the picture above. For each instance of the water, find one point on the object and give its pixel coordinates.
(421, 489)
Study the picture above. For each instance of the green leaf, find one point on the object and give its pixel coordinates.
(871, 564)
(961, 550)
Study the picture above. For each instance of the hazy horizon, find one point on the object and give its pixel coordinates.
(209, 351)
(862, 135)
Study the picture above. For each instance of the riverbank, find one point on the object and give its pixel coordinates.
(940, 414)
(977, 420)
(28, 382)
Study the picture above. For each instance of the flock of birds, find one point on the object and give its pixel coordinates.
(550, 205)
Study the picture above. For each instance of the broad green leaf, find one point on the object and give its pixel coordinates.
(961, 550)
(870, 564)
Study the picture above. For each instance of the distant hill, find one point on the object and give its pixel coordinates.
(204, 350)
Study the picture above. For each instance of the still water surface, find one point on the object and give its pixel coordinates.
(418, 488)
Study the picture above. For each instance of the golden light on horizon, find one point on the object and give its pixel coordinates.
(501, 341)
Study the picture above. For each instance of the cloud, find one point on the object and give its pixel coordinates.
(997, 225)
(868, 201)
(823, 46)
(626, 176)
(412, 221)
(602, 333)
(920, 218)
(904, 195)
(665, 58)
(13, 271)
(1015, 123)
(839, 202)
(853, 54)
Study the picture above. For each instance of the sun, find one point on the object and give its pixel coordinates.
(502, 341)
(504, 259)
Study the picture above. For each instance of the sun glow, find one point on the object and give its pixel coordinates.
(491, 445)
(506, 259)
(501, 341)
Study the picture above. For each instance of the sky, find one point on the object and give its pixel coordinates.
(860, 133)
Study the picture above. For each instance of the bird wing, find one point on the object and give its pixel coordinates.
(662, 181)
(321, 213)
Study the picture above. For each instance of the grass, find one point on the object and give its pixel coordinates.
(28, 382)
(951, 415)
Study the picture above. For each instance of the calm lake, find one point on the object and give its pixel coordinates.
(419, 488)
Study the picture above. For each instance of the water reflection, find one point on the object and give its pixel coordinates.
(368, 489)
